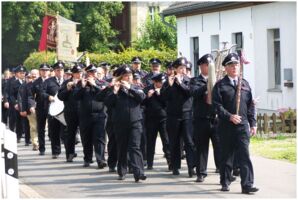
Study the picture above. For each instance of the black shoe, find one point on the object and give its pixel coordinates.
(41, 153)
(183, 156)
(217, 170)
(141, 177)
(77, 141)
(70, 157)
(27, 144)
(236, 172)
(86, 164)
(75, 155)
(176, 172)
(112, 169)
(101, 165)
(225, 188)
(55, 156)
(249, 190)
(233, 178)
(200, 179)
(149, 167)
(170, 167)
(121, 178)
(191, 172)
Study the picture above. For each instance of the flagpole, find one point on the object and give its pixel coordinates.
(57, 31)
(46, 35)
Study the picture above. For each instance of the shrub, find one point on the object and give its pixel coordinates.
(124, 57)
(37, 58)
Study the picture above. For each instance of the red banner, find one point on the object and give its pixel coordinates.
(48, 34)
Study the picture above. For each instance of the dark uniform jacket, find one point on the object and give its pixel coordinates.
(89, 105)
(25, 97)
(13, 92)
(71, 104)
(141, 72)
(155, 106)
(147, 79)
(51, 87)
(126, 104)
(37, 89)
(224, 101)
(178, 98)
(4, 83)
(201, 109)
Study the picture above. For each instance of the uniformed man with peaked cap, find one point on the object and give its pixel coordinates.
(204, 120)
(237, 128)
(179, 116)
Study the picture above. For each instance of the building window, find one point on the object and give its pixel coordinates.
(274, 69)
(237, 39)
(214, 42)
(195, 54)
(152, 10)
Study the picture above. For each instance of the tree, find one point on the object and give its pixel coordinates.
(97, 34)
(21, 28)
(22, 24)
(155, 34)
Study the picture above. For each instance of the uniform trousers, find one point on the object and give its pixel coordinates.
(56, 130)
(92, 132)
(15, 122)
(181, 128)
(235, 137)
(26, 129)
(5, 112)
(112, 145)
(41, 119)
(153, 126)
(72, 121)
(128, 137)
(204, 130)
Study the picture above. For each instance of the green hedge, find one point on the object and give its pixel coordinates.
(124, 57)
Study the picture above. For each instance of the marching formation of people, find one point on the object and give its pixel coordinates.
(131, 106)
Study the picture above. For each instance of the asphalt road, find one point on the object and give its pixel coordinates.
(44, 177)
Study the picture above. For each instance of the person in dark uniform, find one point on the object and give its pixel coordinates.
(155, 112)
(170, 71)
(20, 72)
(112, 145)
(67, 73)
(204, 120)
(92, 117)
(50, 90)
(106, 67)
(137, 80)
(188, 69)
(155, 69)
(42, 105)
(236, 128)
(26, 105)
(11, 110)
(136, 63)
(179, 116)
(5, 103)
(71, 110)
(127, 115)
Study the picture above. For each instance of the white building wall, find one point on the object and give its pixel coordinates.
(280, 15)
(249, 21)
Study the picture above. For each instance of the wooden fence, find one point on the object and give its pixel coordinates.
(276, 123)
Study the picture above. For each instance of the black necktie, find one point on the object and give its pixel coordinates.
(235, 84)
